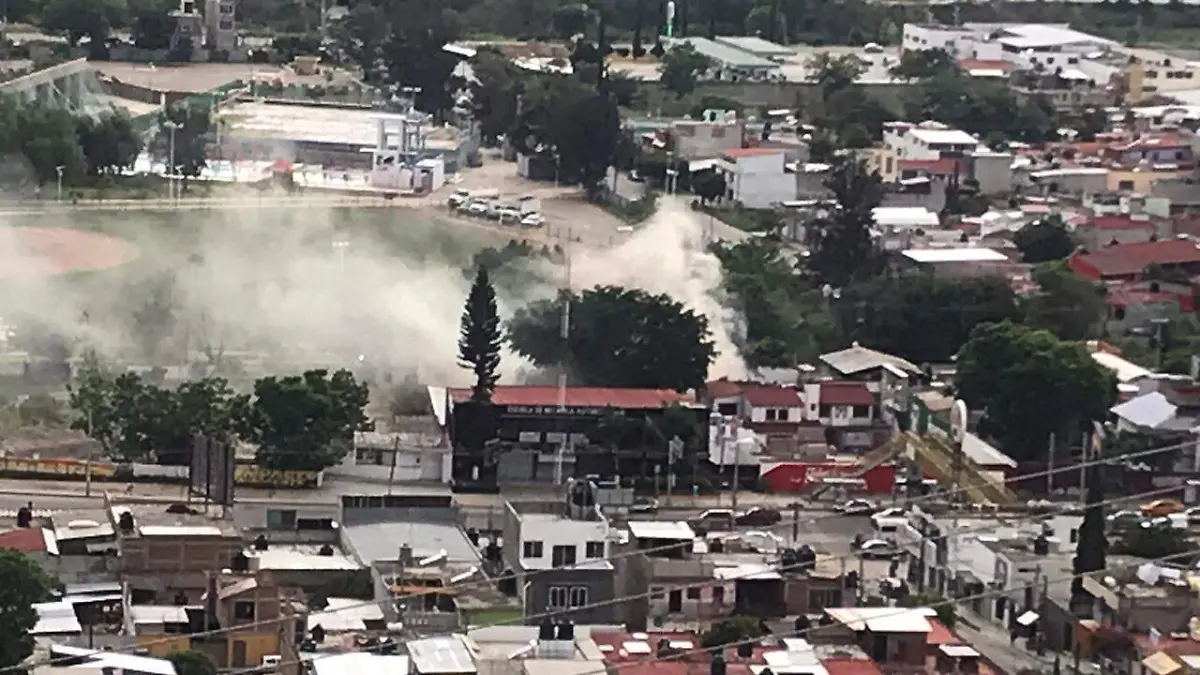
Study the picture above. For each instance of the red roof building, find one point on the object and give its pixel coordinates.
(946, 166)
(1098, 232)
(581, 397)
(851, 666)
(846, 393)
(1129, 261)
(29, 540)
(741, 153)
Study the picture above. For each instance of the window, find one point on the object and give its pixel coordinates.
(1074, 535)
(727, 408)
(532, 549)
(770, 413)
(782, 415)
(861, 411)
(1125, 185)
(561, 556)
(281, 519)
(657, 593)
(243, 610)
(824, 598)
(314, 524)
(579, 596)
(225, 24)
(595, 549)
(826, 410)
(226, 8)
(693, 593)
(567, 597)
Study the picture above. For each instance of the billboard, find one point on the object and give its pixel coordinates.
(211, 473)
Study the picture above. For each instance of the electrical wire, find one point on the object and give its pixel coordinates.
(609, 668)
(489, 581)
(220, 631)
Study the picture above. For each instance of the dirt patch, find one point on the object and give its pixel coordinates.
(33, 252)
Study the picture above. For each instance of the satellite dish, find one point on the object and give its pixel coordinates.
(958, 421)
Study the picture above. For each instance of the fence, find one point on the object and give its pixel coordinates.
(73, 469)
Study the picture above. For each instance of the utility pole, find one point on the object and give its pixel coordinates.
(737, 470)
(564, 333)
(392, 471)
(87, 487)
(1050, 469)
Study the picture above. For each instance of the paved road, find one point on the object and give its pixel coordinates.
(992, 641)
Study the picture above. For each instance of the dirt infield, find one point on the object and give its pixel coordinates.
(33, 252)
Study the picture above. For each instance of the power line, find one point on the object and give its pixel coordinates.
(487, 581)
(608, 668)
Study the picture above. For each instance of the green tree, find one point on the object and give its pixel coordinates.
(921, 317)
(921, 64)
(26, 584)
(841, 249)
(109, 142)
(77, 19)
(1029, 385)
(192, 662)
(191, 124)
(480, 336)
(403, 48)
(1091, 551)
(151, 23)
(618, 338)
(709, 187)
(1066, 304)
(41, 410)
(834, 74)
(681, 69)
(1044, 239)
(155, 316)
(91, 397)
(494, 93)
(786, 320)
(1158, 540)
(731, 630)
(571, 124)
(304, 422)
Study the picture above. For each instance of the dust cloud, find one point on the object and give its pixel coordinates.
(269, 290)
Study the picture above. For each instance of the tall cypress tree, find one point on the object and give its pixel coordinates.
(480, 336)
(1091, 551)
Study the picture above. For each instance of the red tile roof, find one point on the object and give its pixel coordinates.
(934, 166)
(1118, 223)
(582, 397)
(851, 666)
(940, 635)
(724, 388)
(1132, 259)
(693, 661)
(24, 539)
(846, 393)
(735, 153)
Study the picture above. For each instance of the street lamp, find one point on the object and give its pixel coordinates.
(59, 170)
(172, 127)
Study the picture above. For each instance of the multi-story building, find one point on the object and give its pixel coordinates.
(220, 25)
(558, 553)
(757, 178)
(529, 435)
(167, 556)
(926, 141)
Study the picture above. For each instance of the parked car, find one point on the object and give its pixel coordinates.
(644, 505)
(713, 520)
(857, 507)
(532, 220)
(759, 516)
(477, 208)
(1122, 520)
(508, 214)
(877, 549)
(1161, 507)
(1192, 515)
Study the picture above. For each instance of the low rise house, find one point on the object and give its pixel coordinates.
(557, 552)
(1099, 231)
(1128, 262)
(959, 263)
(757, 178)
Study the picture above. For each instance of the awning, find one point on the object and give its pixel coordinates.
(1161, 664)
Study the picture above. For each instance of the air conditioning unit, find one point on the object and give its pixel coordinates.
(271, 660)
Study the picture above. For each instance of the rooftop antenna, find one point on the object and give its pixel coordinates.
(564, 333)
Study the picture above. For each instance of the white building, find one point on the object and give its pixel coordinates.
(731, 64)
(757, 178)
(220, 24)
(839, 403)
(548, 540)
(708, 137)
(1027, 45)
(959, 263)
(927, 141)
(400, 457)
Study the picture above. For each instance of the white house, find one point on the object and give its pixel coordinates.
(840, 403)
(757, 178)
(927, 140)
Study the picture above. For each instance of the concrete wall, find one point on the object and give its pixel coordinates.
(802, 95)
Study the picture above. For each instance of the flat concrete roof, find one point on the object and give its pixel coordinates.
(319, 124)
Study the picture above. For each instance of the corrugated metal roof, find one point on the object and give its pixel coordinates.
(55, 618)
(359, 663)
(434, 656)
(661, 529)
(125, 662)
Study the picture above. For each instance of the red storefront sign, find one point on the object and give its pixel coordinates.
(805, 476)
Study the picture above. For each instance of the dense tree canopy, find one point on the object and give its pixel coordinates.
(304, 421)
(297, 422)
(25, 583)
(1065, 303)
(618, 338)
(43, 139)
(1044, 239)
(480, 336)
(681, 68)
(841, 248)
(1029, 385)
(921, 317)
